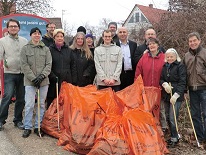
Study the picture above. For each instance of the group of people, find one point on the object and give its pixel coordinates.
(43, 64)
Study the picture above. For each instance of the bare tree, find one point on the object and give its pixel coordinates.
(40, 7)
(184, 17)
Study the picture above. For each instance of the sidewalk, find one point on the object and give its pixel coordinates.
(6, 147)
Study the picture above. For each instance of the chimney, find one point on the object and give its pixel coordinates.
(151, 5)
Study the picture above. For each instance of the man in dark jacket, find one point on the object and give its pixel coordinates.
(149, 33)
(113, 28)
(47, 39)
(196, 81)
(128, 65)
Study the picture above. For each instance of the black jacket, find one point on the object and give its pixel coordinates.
(176, 74)
(63, 67)
(47, 40)
(140, 50)
(127, 78)
(132, 47)
(85, 68)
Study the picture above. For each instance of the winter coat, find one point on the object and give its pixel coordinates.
(35, 60)
(196, 68)
(63, 68)
(175, 74)
(108, 63)
(47, 40)
(150, 68)
(140, 51)
(10, 50)
(85, 68)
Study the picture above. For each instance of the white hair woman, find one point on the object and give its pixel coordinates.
(173, 80)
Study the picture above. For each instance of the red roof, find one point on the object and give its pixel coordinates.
(152, 14)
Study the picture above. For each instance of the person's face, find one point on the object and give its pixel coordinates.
(80, 40)
(150, 33)
(122, 34)
(35, 37)
(89, 41)
(51, 28)
(153, 47)
(194, 43)
(59, 38)
(13, 28)
(113, 29)
(107, 38)
(170, 57)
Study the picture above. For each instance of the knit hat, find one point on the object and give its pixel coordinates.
(33, 30)
(89, 35)
(56, 31)
(112, 23)
(81, 29)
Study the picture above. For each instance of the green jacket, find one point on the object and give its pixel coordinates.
(35, 60)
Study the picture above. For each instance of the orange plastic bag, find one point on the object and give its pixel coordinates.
(143, 134)
(50, 120)
(83, 116)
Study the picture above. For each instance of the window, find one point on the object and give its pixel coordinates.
(143, 19)
(137, 17)
(131, 19)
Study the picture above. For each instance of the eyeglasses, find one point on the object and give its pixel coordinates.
(13, 26)
(107, 36)
(52, 27)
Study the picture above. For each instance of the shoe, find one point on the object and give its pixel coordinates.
(171, 143)
(1, 126)
(26, 133)
(19, 125)
(37, 132)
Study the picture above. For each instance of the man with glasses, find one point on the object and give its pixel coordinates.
(10, 49)
(108, 63)
(47, 39)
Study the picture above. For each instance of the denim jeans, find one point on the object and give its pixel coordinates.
(171, 119)
(30, 93)
(11, 82)
(198, 112)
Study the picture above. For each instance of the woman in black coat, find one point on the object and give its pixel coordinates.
(173, 80)
(84, 60)
(63, 65)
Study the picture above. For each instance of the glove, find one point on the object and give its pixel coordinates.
(167, 87)
(174, 98)
(37, 81)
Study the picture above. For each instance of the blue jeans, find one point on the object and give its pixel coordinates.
(11, 82)
(30, 93)
(198, 112)
(171, 119)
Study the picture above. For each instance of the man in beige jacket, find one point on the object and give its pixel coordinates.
(108, 63)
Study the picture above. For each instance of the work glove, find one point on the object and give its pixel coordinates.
(167, 87)
(37, 81)
(174, 98)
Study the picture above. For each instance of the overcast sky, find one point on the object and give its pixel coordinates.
(79, 12)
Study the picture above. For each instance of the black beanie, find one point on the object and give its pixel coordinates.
(81, 29)
(33, 30)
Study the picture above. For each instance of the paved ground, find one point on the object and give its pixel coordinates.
(6, 147)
